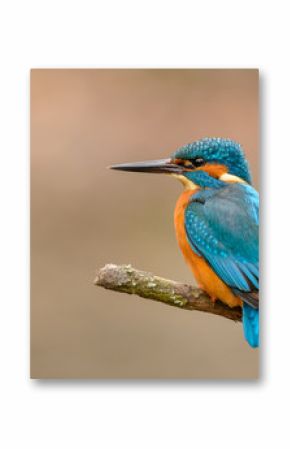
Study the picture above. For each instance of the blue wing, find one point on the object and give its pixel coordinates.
(223, 226)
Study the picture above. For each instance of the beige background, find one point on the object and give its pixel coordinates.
(84, 216)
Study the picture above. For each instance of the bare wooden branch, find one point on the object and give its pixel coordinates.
(126, 279)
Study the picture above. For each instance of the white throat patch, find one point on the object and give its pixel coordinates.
(187, 184)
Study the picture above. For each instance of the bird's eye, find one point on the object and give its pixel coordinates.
(196, 162)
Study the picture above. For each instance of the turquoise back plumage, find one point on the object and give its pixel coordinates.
(222, 227)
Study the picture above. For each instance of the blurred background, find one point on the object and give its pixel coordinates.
(84, 216)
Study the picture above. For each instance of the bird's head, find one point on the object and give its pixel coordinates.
(207, 162)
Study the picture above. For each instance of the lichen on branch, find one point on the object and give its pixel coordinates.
(126, 279)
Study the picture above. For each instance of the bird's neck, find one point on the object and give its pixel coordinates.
(183, 201)
(202, 179)
(213, 177)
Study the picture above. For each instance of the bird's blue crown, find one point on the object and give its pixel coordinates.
(220, 151)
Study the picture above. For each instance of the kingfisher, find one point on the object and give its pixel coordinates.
(216, 222)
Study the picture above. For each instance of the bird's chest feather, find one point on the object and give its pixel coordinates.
(206, 278)
(191, 258)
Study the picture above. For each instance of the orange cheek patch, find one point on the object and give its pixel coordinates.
(214, 170)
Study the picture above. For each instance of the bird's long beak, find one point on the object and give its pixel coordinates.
(158, 166)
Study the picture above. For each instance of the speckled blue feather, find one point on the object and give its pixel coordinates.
(222, 226)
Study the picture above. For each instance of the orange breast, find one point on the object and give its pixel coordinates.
(203, 273)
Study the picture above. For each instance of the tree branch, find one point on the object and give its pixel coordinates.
(126, 279)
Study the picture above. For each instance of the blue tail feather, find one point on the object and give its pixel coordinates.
(251, 325)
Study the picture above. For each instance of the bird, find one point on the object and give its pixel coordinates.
(216, 222)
